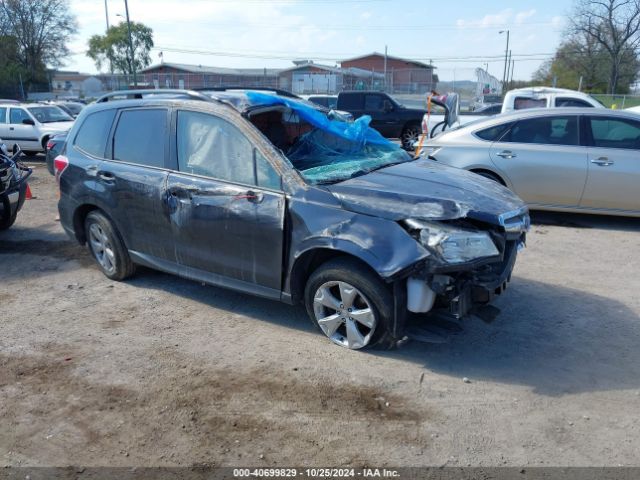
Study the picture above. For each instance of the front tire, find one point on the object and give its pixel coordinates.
(350, 304)
(107, 247)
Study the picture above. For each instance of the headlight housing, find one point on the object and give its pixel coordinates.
(453, 245)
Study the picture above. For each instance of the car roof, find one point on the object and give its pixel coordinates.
(542, 89)
(235, 97)
(542, 112)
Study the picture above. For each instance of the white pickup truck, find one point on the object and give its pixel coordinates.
(518, 99)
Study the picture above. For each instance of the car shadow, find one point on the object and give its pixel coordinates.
(585, 220)
(554, 339)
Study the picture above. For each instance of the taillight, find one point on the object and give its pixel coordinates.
(50, 145)
(60, 164)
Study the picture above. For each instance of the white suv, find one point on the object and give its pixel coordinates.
(30, 125)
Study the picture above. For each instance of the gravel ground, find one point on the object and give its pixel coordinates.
(163, 371)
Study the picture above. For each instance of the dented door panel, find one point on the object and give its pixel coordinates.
(230, 230)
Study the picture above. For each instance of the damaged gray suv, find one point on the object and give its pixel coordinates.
(270, 195)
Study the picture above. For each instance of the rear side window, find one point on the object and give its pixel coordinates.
(560, 130)
(140, 137)
(350, 102)
(94, 132)
(374, 103)
(3, 114)
(572, 102)
(493, 134)
(520, 103)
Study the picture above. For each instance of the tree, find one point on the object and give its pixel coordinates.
(579, 57)
(112, 49)
(612, 25)
(41, 30)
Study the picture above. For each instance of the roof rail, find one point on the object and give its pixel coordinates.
(137, 94)
(277, 91)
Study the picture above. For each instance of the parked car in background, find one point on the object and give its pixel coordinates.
(13, 185)
(489, 109)
(390, 118)
(635, 110)
(72, 108)
(547, 97)
(570, 159)
(268, 195)
(31, 125)
(327, 101)
(54, 147)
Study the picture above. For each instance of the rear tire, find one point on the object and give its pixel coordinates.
(107, 247)
(350, 304)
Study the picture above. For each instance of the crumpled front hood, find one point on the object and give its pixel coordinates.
(427, 190)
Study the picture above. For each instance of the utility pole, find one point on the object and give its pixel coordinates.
(385, 68)
(506, 51)
(508, 71)
(106, 13)
(133, 65)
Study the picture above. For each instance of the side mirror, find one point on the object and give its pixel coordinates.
(28, 121)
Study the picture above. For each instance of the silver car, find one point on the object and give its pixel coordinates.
(568, 159)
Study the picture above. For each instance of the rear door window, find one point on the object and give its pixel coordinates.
(140, 137)
(94, 132)
(609, 132)
(3, 114)
(350, 102)
(552, 130)
(374, 103)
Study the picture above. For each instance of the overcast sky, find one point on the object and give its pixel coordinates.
(458, 35)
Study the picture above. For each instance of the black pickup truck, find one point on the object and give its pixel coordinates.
(387, 116)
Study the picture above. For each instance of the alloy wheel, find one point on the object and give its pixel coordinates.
(344, 314)
(102, 248)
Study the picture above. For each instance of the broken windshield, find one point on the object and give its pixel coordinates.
(330, 149)
(322, 157)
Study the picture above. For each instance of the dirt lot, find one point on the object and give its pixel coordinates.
(164, 371)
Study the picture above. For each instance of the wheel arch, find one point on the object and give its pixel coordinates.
(481, 170)
(310, 260)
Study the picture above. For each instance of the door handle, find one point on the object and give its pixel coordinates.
(250, 196)
(182, 192)
(11, 128)
(506, 154)
(107, 177)
(602, 161)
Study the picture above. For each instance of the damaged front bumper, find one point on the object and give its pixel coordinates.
(459, 290)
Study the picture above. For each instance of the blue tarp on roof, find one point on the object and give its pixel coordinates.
(357, 131)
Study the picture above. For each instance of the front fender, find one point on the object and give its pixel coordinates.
(382, 244)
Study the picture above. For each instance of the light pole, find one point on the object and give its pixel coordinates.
(133, 65)
(506, 52)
